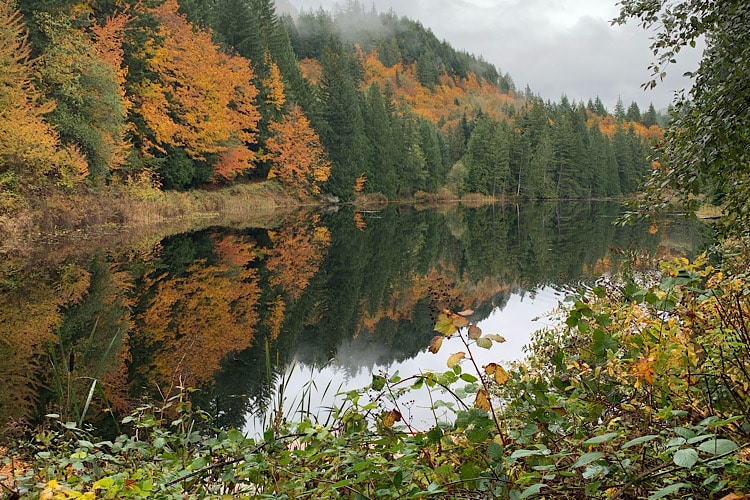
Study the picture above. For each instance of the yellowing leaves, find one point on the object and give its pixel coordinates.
(500, 374)
(474, 332)
(482, 400)
(299, 160)
(455, 358)
(203, 100)
(435, 344)
(391, 417)
(448, 323)
(445, 326)
(274, 85)
(643, 370)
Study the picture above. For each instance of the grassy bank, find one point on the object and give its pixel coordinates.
(123, 209)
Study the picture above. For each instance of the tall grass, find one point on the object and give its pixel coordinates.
(72, 404)
(295, 407)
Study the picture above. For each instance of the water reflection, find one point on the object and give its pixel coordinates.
(225, 309)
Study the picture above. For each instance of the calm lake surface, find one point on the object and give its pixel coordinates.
(336, 296)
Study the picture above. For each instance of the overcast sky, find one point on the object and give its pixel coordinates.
(555, 46)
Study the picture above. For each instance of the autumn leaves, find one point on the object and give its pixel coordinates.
(113, 95)
(204, 101)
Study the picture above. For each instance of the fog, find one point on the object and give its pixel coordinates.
(555, 46)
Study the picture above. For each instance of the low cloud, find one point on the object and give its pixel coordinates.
(555, 46)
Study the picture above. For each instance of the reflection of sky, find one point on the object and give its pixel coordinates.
(353, 368)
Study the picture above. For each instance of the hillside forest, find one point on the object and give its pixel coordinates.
(194, 94)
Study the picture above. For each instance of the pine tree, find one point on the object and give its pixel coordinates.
(649, 117)
(341, 126)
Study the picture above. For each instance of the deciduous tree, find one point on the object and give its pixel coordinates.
(201, 100)
(299, 161)
(29, 146)
(707, 148)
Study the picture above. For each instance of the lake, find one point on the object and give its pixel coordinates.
(89, 327)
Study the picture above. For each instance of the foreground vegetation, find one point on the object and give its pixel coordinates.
(640, 391)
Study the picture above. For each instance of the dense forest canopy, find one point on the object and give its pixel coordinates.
(181, 94)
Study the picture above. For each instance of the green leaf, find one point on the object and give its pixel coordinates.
(601, 439)
(686, 457)
(534, 489)
(718, 446)
(378, 382)
(495, 451)
(198, 463)
(103, 483)
(528, 453)
(639, 440)
(668, 490)
(468, 377)
(587, 458)
(484, 343)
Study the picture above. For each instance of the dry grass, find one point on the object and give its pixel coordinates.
(371, 201)
(442, 196)
(476, 200)
(121, 210)
(708, 211)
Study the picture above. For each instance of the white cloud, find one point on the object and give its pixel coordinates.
(555, 46)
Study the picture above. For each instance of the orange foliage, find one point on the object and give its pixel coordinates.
(195, 320)
(108, 39)
(359, 221)
(299, 160)
(298, 249)
(203, 99)
(448, 100)
(608, 125)
(311, 70)
(275, 318)
(359, 185)
(28, 318)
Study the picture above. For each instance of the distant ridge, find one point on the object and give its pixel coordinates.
(286, 7)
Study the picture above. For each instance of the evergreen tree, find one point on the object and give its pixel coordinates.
(599, 108)
(634, 113)
(619, 110)
(430, 146)
(649, 117)
(340, 123)
(488, 158)
(379, 128)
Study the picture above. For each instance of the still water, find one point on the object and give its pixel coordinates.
(316, 300)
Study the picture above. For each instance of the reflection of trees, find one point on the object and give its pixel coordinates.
(193, 320)
(28, 316)
(202, 308)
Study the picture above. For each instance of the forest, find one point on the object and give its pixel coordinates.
(639, 390)
(169, 95)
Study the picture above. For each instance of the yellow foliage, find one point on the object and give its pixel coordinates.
(195, 319)
(298, 249)
(274, 85)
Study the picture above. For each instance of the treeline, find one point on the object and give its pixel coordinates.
(179, 95)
